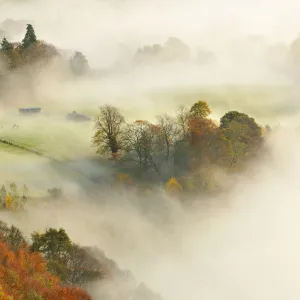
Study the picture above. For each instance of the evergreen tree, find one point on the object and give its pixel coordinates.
(6, 46)
(79, 63)
(30, 37)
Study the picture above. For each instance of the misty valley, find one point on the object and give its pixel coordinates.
(151, 177)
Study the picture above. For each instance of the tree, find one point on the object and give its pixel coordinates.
(243, 133)
(3, 195)
(108, 125)
(53, 244)
(23, 275)
(55, 192)
(182, 118)
(30, 37)
(7, 52)
(203, 141)
(9, 202)
(140, 141)
(12, 236)
(79, 63)
(6, 46)
(4, 295)
(173, 187)
(168, 134)
(200, 109)
(83, 267)
(71, 263)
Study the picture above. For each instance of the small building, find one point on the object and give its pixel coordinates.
(74, 116)
(29, 110)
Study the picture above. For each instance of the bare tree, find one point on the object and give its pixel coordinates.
(140, 145)
(108, 125)
(183, 117)
(168, 132)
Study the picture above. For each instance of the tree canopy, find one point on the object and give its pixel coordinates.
(30, 37)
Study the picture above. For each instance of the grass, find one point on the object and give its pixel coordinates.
(69, 141)
(52, 136)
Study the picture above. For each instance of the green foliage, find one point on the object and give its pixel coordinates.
(54, 244)
(7, 52)
(243, 134)
(200, 109)
(33, 295)
(30, 38)
(6, 46)
(71, 263)
(12, 236)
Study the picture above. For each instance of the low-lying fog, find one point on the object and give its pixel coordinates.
(244, 245)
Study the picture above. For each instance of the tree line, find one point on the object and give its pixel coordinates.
(180, 146)
(32, 50)
(51, 267)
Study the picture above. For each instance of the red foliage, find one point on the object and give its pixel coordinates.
(24, 274)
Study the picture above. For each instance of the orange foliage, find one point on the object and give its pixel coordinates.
(23, 275)
(204, 133)
(124, 178)
(8, 201)
(4, 296)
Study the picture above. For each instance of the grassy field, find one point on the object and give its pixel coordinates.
(51, 135)
(267, 104)
(70, 142)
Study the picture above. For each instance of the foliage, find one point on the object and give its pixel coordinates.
(200, 109)
(12, 236)
(186, 144)
(30, 37)
(7, 51)
(124, 179)
(4, 296)
(243, 133)
(140, 145)
(29, 51)
(12, 198)
(54, 244)
(9, 202)
(79, 64)
(70, 262)
(23, 275)
(6, 46)
(3, 194)
(108, 125)
(173, 187)
(168, 135)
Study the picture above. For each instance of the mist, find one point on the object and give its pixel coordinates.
(241, 244)
(109, 31)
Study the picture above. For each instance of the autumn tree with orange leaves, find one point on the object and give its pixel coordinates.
(24, 275)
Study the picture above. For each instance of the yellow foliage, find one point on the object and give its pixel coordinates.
(4, 296)
(9, 202)
(124, 178)
(173, 186)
